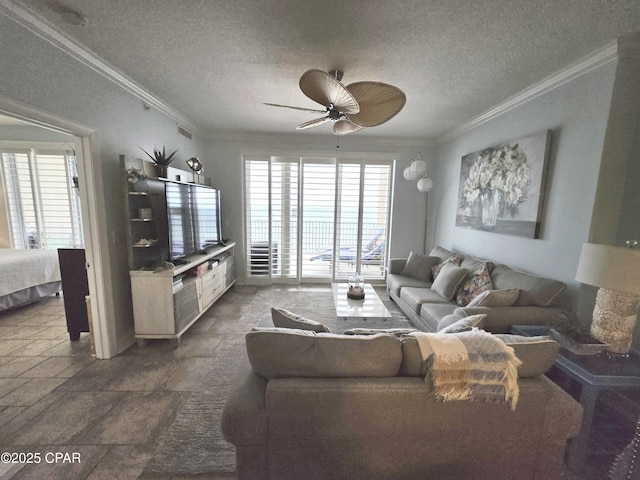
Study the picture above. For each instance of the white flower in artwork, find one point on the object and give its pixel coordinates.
(504, 170)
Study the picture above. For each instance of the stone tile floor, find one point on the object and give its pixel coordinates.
(55, 398)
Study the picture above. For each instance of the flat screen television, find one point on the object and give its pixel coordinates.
(193, 218)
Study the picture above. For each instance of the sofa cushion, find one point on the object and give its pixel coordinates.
(449, 280)
(536, 291)
(473, 285)
(472, 263)
(396, 282)
(285, 319)
(455, 259)
(441, 253)
(463, 324)
(537, 355)
(419, 266)
(496, 298)
(277, 353)
(415, 297)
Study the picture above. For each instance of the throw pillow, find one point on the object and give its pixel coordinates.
(448, 281)
(465, 324)
(474, 284)
(419, 266)
(285, 319)
(455, 259)
(496, 298)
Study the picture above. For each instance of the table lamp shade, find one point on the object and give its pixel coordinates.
(616, 270)
(613, 268)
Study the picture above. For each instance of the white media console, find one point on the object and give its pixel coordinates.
(167, 302)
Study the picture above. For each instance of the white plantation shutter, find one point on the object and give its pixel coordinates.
(43, 206)
(314, 218)
(318, 215)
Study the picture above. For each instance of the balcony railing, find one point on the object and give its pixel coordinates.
(317, 250)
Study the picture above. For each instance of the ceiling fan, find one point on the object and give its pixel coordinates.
(350, 108)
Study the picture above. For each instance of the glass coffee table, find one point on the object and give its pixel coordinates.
(370, 308)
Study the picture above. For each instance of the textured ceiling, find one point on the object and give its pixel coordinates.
(217, 61)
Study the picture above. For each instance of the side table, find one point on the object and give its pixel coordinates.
(595, 373)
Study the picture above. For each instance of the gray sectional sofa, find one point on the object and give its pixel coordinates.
(320, 406)
(410, 283)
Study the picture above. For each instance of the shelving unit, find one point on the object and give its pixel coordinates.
(167, 302)
(146, 214)
(167, 299)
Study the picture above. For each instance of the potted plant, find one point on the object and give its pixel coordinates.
(161, 159)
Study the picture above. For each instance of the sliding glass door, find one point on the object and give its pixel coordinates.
(316, 218)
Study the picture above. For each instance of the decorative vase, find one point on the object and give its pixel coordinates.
(490, 202)
(162, 170)
(356, 287)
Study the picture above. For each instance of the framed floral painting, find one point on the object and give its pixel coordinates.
(502, 187)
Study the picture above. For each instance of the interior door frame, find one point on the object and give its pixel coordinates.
(93, 209)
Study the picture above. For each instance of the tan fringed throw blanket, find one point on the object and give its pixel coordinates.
(472, 365)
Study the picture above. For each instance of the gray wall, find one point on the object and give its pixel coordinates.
(577, 114)
(592, 187)
(226, 173)
(36, 74)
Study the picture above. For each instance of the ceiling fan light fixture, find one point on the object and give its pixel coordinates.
(350, 108)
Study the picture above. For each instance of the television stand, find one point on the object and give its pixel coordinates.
(167, 302)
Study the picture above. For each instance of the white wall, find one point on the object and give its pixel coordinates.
(577, 114)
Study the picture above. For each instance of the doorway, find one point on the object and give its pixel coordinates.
(89, 189)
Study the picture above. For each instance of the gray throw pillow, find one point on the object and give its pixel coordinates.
(449, 280)
(496, 298)
(465, 324)
(419, 266)
(285, 319)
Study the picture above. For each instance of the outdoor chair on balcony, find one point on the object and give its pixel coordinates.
(370, 249)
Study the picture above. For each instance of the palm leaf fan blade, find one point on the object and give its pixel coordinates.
(344, 127)
(314, 110)
(312, 123)
(379, 102)
(322, 88)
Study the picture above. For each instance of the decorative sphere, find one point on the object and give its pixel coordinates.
(408, 174)
(425, 184)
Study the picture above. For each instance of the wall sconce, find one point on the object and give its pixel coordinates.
(196, 165)
(418, 171)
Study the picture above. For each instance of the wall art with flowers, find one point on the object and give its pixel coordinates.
(502, 187)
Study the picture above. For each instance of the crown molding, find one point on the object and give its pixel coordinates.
(585, 65)
(34, 116)
(55, 37)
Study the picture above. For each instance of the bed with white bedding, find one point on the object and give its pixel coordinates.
(27, 275)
